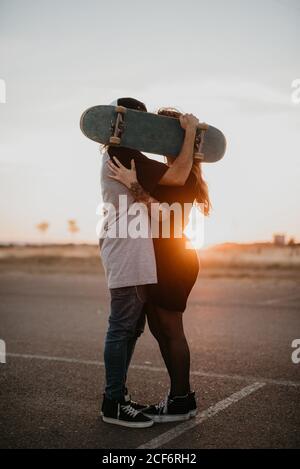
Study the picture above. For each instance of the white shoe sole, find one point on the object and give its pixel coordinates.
(171, 418)
(123, 423)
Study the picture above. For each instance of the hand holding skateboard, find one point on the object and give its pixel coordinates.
(189, 121)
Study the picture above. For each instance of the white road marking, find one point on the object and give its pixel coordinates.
(175, 432)
(56, 359)
(272, 301)
(280, 299)
(279, 302)
(207, 374)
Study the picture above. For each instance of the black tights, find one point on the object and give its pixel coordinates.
(167, 328)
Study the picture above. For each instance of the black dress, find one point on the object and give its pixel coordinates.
(177, 266)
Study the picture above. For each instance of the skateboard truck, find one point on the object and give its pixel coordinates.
(199, 141)
(117, 127)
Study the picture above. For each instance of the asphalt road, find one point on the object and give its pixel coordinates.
(240, 333)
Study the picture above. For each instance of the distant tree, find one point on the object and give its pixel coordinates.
(43, 227)
(291, 242)
(73, 227)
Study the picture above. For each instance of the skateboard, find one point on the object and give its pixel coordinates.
(148, 132)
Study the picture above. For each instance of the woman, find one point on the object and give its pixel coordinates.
(177, 270)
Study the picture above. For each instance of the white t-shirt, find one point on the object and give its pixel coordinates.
(127, 261)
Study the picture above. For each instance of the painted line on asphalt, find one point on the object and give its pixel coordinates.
(261, 304)
(206, 374)
(181, 428)
(280, 299)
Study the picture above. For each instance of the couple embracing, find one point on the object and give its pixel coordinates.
(149, 277)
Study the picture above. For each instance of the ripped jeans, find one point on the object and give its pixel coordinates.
(126, 324)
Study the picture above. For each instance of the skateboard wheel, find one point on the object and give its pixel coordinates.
(115, 140)
(121, 109)
(198, 156)
(203, 126)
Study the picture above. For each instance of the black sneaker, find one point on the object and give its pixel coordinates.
(173, 409)
(134, 404)
(128, 399)
(192, 404)
(122, 413)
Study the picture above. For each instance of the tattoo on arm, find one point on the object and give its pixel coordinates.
(141, 195)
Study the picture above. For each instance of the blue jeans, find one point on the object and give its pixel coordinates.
(126, 324)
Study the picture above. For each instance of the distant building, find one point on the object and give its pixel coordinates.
(279, 239)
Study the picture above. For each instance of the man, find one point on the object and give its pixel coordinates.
(129, 265)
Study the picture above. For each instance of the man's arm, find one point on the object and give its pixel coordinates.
(177, 174)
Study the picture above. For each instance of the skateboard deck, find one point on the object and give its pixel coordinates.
(148, 132)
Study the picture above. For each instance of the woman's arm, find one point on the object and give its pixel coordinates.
(178, 173)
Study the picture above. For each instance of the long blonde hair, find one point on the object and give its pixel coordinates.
(202, 194)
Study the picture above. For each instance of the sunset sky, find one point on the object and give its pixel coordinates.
(230, 63)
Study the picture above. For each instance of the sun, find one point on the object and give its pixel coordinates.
(195, 228)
